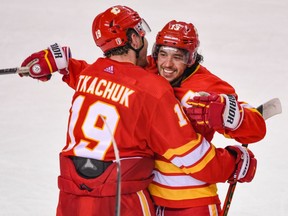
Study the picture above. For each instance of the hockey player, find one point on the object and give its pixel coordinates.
(116, 100)
(178, 61)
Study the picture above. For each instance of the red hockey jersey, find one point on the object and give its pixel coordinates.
(139, 109)
(252, 128)
(131, 101)
(173, 188)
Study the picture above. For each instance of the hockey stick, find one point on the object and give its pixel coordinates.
(20, 70)
(118, 165)
(268, 109)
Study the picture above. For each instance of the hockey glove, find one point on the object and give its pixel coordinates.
(45, 62)
(246, 164)
(216, 111)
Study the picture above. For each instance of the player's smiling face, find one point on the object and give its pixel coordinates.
(171, 62)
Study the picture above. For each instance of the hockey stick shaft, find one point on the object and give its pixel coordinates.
(16, 70)
(268, 109)
(118, 165)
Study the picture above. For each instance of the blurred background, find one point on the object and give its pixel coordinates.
(243, 42)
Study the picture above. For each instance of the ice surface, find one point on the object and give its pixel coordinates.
(244, 42)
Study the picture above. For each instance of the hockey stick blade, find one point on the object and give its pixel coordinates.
(270, 108)
(17, 70)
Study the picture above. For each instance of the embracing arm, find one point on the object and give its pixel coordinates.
(44, 63)
(176, 140)
(252, 128)
(226, 115)
(210, 164)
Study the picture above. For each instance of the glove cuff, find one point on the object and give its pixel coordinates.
(61, 58)
(245, 162)
(233, 113)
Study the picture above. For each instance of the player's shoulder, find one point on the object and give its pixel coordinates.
(153, 84)
(214, 82)
(203, 71)
(149, 83)
(135, 77)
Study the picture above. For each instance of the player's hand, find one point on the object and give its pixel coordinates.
(216, 111)
(246, 164)
(45, 62)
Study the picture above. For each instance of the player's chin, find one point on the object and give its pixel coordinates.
(168, 75)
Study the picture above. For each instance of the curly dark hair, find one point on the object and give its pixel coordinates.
(199, 58)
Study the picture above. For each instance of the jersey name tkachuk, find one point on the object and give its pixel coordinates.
(105, 89)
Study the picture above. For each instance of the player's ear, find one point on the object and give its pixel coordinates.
(136, 41)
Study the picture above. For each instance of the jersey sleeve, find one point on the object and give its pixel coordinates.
(74, 68)
(252, 128)
(189, 151)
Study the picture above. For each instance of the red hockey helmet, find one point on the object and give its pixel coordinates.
(109, 28)
(179, 35)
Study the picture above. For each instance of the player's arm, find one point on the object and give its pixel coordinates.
(217, 111)
(75, 66)
(225, 114)
(55, 58)
(251, 130)
(176, 140)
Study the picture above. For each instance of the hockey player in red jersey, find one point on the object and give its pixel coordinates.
(178, 61)
(115, 100)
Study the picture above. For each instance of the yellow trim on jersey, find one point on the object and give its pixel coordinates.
(47, 60)
(253, 110)
(196, 69)
(182, 194)
(144, 203)
(167, 167)
(204, 161)
(183, 149)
